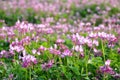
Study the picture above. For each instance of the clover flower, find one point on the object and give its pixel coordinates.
(34, 51)
(106, 68)
(46, 66)
(81, 40)
(97, 52)
(54, 51)
(28, 60)
(16, 46)
(78, 48)
(66, 53)
(6, 54)
(60, 41)
(26, 40)
(42, 48)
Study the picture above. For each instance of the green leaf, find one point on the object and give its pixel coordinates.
(75, 70)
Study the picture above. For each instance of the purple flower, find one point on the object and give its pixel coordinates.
(82, 55)
(6, 54)
(54, 51)
(26, 40)
(97, 52)
(48, 65)
(60, 41)
(118, 50)
(24, 27)
(92, 35)
(2, 36)
(116, 75)
(66, 53)
(10, 34)
(16, 46)
(81, 40)
(78, 48)
(11, 76)
(34, 51)
(28, 60)
(106, 68)
(107, 62)
(42, 48)
(3, 53)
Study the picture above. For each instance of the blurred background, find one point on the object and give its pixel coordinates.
(35, 11)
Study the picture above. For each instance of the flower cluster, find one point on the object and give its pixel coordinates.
(106, 68)
(16, 46)
(28, 60)
(48, 65)
(6, 54)
(81, 40)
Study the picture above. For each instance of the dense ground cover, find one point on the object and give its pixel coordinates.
(59, 40)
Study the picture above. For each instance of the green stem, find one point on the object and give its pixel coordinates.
(26, 74)
(103, 51)
(60, 61)
(86, 63)
(30, 74)
(104, 77)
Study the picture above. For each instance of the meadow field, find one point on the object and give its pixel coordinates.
(59, 40)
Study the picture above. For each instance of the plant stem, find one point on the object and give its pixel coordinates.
(103, 51)
(86, 63)
(26, 74)
(30, 74)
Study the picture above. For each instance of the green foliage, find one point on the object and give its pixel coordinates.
(4, 45)
(114, 11)
(83, 12)
(98, 21)
(12, 17)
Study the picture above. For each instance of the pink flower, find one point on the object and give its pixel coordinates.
(54, 51)
(6, 54)
(107, 62)
(97, 52)
(81, 55)
(48, 65)
(3, 53)
(28, 60)
(26, 40)
(118, 50)
(34, 51)
(42, 48)
(92, 35)
(106, 68)
(16, 46)
(95, 42)
(60, 41)
(78, 48)
(66, 53)
(11, 76)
